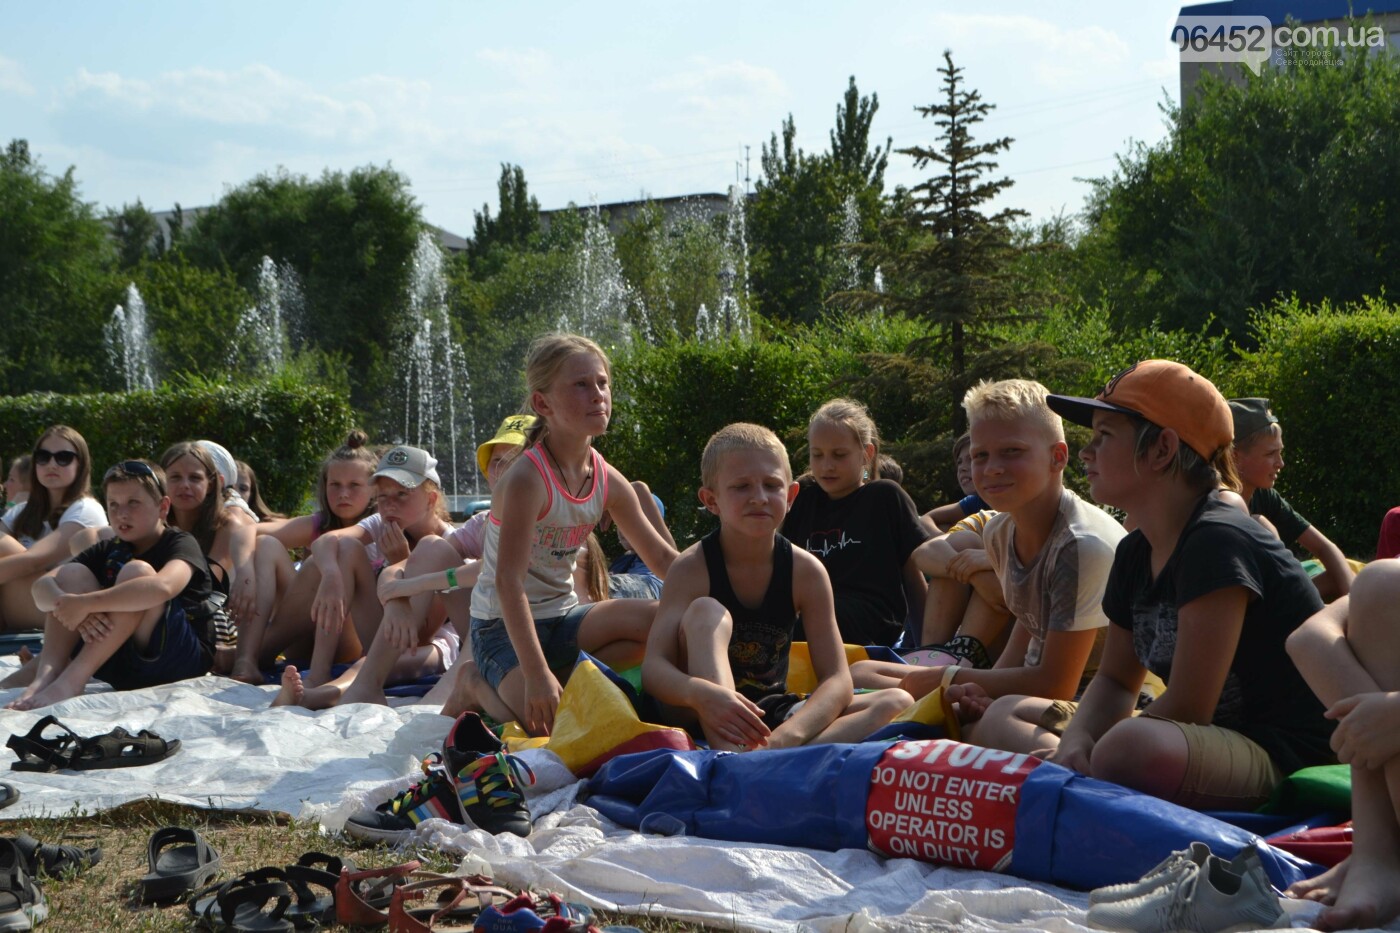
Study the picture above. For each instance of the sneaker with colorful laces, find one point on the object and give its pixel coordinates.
(395, 820)
(489, 781)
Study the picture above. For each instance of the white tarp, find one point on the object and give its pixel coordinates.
(236, 753)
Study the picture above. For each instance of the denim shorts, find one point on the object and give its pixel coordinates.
(174, 653)
(495, 656)
(634, 586)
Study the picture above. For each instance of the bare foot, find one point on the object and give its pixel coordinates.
(361, 692)
(1324, 887)
(22, 677)
(247, 672)
(24, 654)
(1367, 896)
(292, 690)
(224, 659)
(462, 697)
(58, 691)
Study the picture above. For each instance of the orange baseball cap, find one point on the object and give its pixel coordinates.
(1168, 394)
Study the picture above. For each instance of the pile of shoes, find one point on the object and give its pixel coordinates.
(22, 860)
(472, 781)
(1192, 890)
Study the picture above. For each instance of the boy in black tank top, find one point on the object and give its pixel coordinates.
(717, 656)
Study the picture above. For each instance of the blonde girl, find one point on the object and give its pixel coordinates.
(1199, 594)
(344, 497)
(527, 623)
(864, 530)
(36, 535)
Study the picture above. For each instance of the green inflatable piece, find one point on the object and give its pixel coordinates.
(1311, 790)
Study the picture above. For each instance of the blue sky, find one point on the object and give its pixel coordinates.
(176, 101)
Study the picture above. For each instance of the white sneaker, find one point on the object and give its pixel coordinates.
(1198, 854)
(1200, 899)
(1168, 870)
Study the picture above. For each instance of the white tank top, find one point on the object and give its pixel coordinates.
(561, 529)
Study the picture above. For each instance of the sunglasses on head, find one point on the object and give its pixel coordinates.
(130, 468)
(63, 458)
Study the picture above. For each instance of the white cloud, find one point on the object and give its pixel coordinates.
(1054, 55)
(12, 79)
(723, 87)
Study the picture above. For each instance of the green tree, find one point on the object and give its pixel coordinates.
(948, 261)
(1264, 187)
(192, 314)
(805, 207)
(350, 237)
(137, 233)
(517, 221)
(54, 255)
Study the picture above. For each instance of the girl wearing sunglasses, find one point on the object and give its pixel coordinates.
(36, 535)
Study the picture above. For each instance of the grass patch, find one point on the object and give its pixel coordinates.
(104, 898)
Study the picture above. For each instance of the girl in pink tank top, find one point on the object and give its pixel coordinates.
(527, 624)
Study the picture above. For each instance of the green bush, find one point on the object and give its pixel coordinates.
(670, 398)
(1331, 374)
(282, 430)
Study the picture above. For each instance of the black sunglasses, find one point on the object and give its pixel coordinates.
(62, 457)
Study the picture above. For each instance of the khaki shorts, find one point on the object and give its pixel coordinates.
(1224, 770)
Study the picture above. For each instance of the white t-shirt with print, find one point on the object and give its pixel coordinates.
(1062, 589)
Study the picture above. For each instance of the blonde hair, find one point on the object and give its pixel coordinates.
(854, 417)
(546, 357)
(440, 509)
(595, 568)
(735, 437)
(1012, 400)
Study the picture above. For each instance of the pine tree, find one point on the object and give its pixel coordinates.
(516, 221)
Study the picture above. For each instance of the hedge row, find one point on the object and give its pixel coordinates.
(1332, 375)
(283, 431)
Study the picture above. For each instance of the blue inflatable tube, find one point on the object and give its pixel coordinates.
(1070, 830)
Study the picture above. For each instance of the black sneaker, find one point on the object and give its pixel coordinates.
(394, 821)
(488, 780)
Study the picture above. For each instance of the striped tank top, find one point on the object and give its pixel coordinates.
(561, 529)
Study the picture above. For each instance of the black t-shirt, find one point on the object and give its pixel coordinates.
(106, 559)
(1264, 697)
(864, 540)
(1274, 507)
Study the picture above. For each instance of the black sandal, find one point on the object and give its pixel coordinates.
(240, 904)
(9, 794)
(56, 861)
(22, 904)
(180, 862)
(121, 749)
(37, 753)
(312, 871)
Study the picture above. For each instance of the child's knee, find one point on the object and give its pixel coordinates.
(351, 553)
(135, 569)
(1135, 752)
(1376, 588)
(706, 617)
(75, 578)
(890, 702)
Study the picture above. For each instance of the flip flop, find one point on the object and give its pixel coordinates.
(9, 794)
(121, 749)
(181, 861)
(56, 861)
(37, 753)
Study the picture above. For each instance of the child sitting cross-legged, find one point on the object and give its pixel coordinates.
(125, 609)
(717, 656)
(1050, 550)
